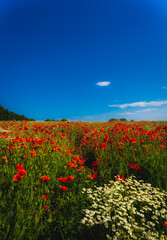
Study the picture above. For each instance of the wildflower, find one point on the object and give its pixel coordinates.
(165, 224)
(5, 159)
(33, 153)
(103, 145)
(136, 167)
(45, 197)
(56, 148)
(72, 165)
(94, 164)
(70, 178)
(63, 188)
(147, 152)
(60, 179)
(45, 179)
(46, 207)
(4, 135)
(11, 147)
(93, 176)
(121, 178)
(22, 172)
(17, 177)
(19, 167)
(133, 140)
(90, 176)
(117, 198)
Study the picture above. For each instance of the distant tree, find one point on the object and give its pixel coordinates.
(64, 120)
(49, 120)
(113, 119)
(123, 119)
(6, 115)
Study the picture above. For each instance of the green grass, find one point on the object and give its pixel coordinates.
(92, 153)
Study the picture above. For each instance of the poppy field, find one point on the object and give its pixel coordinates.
(81, 180)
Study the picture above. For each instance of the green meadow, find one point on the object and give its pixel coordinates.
(83, 181)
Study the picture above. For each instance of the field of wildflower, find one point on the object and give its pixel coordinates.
(80, 180)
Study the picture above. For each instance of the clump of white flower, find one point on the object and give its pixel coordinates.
(128, 210)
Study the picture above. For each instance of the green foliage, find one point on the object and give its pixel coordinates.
(113, 119)
(64, 120)
(49, 120)
(92, 154)
(6, 115)
(123, 119)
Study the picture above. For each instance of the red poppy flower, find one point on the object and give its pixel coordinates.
(60, 179)
(72, 165)
(4, 135)
(90, 176)
(33, 153)
(64, 180)
(45, 179)
(17, 177)
(22, 172)
(121, 178)
(103, 145)
(136, 167)
(70, 178)
(56, 148)
(133, 140)
(46, 207)
(45, 197)
(94, 164)
(63, 188)
(165, 224)
(19, 167)
(95, 175)
(5, 159)
(11, 147)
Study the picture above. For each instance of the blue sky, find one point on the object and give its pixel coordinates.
(84, 60)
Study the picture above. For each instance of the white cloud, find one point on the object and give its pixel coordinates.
(103, 84)
(140, 104)
(140, 111)
(148, 110)
(145, 114)
(164, 87)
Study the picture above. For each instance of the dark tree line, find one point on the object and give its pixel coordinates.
(6, 115)
(114, 119)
